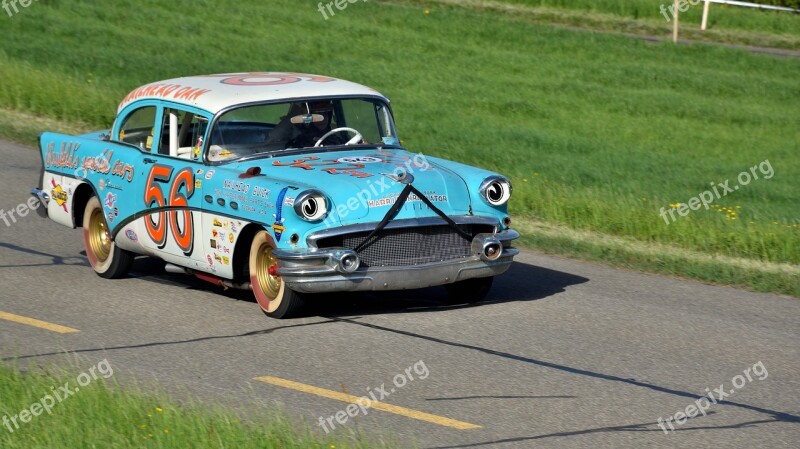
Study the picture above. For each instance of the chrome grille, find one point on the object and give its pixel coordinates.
(409, 246)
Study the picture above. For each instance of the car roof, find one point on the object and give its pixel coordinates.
(214, 93)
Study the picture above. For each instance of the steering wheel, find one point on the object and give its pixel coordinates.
(358, 137)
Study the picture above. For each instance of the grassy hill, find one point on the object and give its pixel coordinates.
(651, 18)
(720, 16)
(597, 131)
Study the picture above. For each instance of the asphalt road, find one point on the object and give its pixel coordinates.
(562, 354)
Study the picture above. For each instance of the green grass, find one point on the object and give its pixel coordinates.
(727, 25)
(720, 16)
(597, 131)
(105, 415)
(659, 258)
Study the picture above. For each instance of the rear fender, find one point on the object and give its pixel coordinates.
(63, 192)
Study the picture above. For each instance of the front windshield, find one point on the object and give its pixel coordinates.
(267, 128)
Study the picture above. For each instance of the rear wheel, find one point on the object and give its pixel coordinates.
(269, 289)
(469, 291)
(106, 258)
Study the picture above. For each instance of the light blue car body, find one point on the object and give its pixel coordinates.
(223, 199)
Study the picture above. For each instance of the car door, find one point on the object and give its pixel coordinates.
(172, 188)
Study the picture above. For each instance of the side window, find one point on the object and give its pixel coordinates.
(138, 128)
(182, 134)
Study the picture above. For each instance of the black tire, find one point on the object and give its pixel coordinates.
(107, 260)
(469, 291)
(275, 299)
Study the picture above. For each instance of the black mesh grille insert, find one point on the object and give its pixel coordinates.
(409, 246)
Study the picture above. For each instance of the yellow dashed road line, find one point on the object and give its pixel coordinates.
(382, 406)
(37, 323)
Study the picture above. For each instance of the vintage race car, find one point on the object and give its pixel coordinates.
(282, 183)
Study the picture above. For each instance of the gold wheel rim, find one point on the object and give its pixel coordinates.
(99, 238)
(269, 283)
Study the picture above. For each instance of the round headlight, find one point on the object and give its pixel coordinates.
(311, 205)
(496, 190)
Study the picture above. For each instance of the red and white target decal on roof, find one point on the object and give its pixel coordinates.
(270, 78)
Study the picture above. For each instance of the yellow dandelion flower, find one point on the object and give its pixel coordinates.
(166, 430)
(159, 409)
(675, 205)
(427, 11)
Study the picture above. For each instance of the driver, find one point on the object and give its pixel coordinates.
(307, 134)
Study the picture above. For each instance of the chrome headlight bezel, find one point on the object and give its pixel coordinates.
(496, 190)
(311, 205)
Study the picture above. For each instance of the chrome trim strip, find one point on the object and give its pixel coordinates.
(507, 235)
(312, 239)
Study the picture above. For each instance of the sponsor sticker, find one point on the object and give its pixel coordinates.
(131, 234)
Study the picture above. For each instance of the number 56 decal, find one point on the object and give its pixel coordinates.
(154, 197)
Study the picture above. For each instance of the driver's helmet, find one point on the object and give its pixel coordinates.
(324, 107)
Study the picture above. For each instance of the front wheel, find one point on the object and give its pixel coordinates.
(469, 291)
(269, 289)
(106, 258)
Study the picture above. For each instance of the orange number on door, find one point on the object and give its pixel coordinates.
(154, 197)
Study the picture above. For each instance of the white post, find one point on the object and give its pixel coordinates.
(705, 15)
(675, 25)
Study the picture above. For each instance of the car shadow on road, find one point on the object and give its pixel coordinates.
(522, 282)
(54, 258)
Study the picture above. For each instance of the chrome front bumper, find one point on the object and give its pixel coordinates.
(331, 269)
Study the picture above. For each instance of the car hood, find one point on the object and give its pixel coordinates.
(363, 184)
